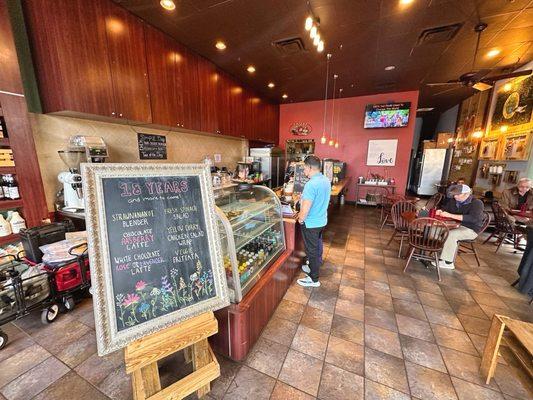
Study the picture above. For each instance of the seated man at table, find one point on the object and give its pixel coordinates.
(468, 210)
(514, 198)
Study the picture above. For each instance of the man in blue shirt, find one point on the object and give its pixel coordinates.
(313, 217)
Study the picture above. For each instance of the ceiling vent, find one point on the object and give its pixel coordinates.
(439, 34)
(289, 46)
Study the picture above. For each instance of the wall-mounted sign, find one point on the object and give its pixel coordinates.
(382, 152)
(154, 248)
(300, 129)
(152, 147)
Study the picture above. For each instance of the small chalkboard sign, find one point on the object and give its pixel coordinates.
(299, 177)
(152, 147)
(154, 248)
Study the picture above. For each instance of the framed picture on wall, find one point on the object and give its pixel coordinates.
(489, 149)
(517, 147)
(382, 152)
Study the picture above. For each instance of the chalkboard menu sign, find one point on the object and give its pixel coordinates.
(152, 147)
(154, 248)
(299, 177)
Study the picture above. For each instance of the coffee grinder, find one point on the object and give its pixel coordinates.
(71, 179)
(81, 149)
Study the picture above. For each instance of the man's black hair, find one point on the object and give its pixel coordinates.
(313, 162)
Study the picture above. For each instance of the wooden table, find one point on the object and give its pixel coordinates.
(519, 338)
(339, 188)
(523, 218)
(410, 216)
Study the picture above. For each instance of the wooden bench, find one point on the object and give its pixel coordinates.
(518, 337)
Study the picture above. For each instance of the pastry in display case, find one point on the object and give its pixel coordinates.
(251, 229)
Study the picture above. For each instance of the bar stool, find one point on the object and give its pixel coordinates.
(426, 240)
(401, 225)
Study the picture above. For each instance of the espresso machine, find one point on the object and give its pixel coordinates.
(80, 149)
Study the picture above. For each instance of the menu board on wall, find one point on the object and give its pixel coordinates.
(152, 147)
(154, 249)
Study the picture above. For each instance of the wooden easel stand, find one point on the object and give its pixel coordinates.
(141, 359)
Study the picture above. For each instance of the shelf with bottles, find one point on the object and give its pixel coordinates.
(254, 255)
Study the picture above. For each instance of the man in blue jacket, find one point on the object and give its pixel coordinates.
(467, 209)
(313, 217)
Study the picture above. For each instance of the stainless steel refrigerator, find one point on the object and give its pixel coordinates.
(272, 161)
(434, 167)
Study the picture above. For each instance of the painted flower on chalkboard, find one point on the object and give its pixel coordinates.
(176, 290)
(144, 308)
(130, 299)
(165, 284)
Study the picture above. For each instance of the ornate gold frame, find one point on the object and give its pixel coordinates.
(109, 338)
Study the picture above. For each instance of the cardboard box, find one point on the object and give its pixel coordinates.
(442, 140)
(429, 144)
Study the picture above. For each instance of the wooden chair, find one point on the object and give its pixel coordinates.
(468, 246)
(401, 225)
(434, 201)
(386, 207)
(426, 240)
(503, 227)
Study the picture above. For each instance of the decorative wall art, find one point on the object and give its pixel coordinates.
(517, 147)
(514, 103)
(300, 129)
(489, 149)
(382, 152)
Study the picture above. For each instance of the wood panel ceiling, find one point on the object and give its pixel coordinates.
(364, 36)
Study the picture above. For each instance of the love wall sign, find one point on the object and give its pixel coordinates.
(154, 248)
(382, 152)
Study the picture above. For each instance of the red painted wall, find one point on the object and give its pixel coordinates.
(353, 139)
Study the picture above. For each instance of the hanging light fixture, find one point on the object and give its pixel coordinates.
(309, 23)
(324, 139)
(331, 139)
(338, 117)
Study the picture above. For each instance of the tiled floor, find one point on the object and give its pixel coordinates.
(370, 331)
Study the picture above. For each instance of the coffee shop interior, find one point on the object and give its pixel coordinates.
(152, 164)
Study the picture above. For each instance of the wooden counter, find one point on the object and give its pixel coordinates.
(241, 324)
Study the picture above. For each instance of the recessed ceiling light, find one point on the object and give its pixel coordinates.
(390, 68)
(320, 46)
(250, 69)
(285, 96)
(493, 53)
(271, 85)
(167, 4)
(405, 2)
(220, 45)
(308, 23)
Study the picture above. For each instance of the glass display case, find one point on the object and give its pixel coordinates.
(251, 228)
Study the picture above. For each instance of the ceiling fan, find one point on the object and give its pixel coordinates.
(477, 79)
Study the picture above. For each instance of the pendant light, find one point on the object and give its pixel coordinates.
(324, 139)
(331, 139)
(338, 117)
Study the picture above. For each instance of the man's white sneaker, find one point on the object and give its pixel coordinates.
(307, 282)
(445, 265)
(306, 269)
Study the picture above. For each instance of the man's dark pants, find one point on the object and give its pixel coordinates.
(313, 249)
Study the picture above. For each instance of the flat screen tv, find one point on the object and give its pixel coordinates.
(392, 115)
